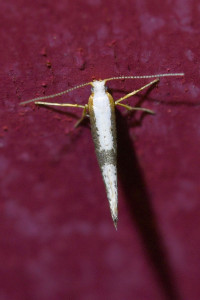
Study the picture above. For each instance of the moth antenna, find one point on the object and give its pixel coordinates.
(108, 79)
(145, 76)
(55, 95)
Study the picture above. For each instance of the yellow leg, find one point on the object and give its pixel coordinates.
(136, 91)
(59, 104)
(82, 117)
(137, 108)
(68, 105)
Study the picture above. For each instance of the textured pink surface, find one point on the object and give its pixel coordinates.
(57, 240)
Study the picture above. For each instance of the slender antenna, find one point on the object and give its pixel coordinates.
(90, 83)
(145, 76)
(55, 95)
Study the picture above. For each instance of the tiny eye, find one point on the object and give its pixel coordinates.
(92, 89)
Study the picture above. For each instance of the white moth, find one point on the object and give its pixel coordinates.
(101, 110)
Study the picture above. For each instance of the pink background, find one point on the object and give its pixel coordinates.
(57, 240)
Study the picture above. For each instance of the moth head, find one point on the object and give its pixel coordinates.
(98, 86)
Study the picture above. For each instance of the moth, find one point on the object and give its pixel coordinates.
(101, 111)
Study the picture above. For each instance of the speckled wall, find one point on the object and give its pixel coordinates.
(57, 240)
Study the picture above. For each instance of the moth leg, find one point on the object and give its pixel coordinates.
(149, 111)
(136, 91)
(68, 105)
(58, 104)
(84, 114)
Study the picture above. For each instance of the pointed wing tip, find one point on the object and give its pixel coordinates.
(115, 222)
